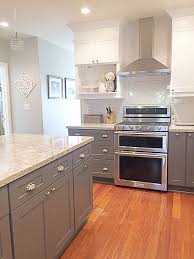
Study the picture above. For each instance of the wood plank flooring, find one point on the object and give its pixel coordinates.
(136, 224)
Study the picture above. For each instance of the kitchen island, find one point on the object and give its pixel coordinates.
(45, 194)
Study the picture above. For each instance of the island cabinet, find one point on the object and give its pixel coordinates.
(102, 151)
(5, 236)
(45, 223)
(181, 162)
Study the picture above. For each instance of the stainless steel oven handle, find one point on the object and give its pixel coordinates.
(140, 154)
(148, 134)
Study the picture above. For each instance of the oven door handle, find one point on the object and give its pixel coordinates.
(140, 154)
(148, 134)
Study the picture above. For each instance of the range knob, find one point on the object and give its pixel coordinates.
(139, 127)
(158, 128)
(148, 127)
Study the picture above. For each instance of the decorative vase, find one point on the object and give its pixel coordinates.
(110, 86)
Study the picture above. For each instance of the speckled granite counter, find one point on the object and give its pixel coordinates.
(103, 126)
(22, 154)
(176, 128)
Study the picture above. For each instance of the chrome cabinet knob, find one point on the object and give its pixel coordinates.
(190, 135)
(104, 136)
(82, 155)
(60, 168)
(105, 150)
(53, 189)
(30, 187)
(85, 166)
(177, 134)
(47, 193)
(105, 169)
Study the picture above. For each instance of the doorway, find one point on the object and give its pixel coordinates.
(5, 109)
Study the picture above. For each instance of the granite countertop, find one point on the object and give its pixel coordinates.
(104, 126)
(21, 154)
(181, 128)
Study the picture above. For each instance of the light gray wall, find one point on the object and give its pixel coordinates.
(23, 121)
(4, 51)
(57, 113)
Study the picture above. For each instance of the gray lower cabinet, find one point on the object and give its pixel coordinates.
(5, 234)
(28, 229)
(82, 193)
(102, 150)
(190, 160)
(177, 159)
(59, 216)
(180, 160)
(43, 226)
(5, 239)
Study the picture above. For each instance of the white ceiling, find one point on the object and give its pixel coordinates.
(48, 18)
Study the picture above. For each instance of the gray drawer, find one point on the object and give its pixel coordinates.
(30, 185)
(102, 151)
(4, 203)
(105, 136)
(81, 132)
(102, 168)
(81, 155)
(60, 168)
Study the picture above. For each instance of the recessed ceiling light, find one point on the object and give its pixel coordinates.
(85, 10)
(4, 24)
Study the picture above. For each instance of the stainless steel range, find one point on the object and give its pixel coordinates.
(141, 147)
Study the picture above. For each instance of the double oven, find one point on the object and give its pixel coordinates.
(141, 147)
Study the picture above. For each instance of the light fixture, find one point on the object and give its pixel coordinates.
(16, 43)
(85, 10)
(4, 24)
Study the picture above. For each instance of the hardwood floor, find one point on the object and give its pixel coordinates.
(134, 224)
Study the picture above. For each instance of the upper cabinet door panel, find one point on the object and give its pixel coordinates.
(106, 51)
(182, 60)
(84, 53)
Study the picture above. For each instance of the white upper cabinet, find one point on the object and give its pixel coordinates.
(182, 77)
(97, 46)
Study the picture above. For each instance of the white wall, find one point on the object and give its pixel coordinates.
(24, 121)
(57, 113)
(4, 51)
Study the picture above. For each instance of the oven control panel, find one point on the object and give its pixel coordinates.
(145, 128)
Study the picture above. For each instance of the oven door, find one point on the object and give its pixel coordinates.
(141, 170)
(141, 141)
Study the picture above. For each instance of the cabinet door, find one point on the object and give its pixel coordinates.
(177, 159)
(5, 239)
(190, 161)
(28, 229)
(59, 216)
(84, 53)
(82, 193)
(106, 51)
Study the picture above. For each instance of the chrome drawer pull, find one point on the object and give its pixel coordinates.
(85, 166)
(82, 155)
(30, 187)
(47, 193)
(60, 168)
(53, 189)
(104, 136)
(190, 135)
(105, 169)
(105, 151)
(77, 134)
(177, 134)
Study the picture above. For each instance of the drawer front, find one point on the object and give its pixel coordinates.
(102, 151)
(102, 168)
(104, 136)
(4, 203)
(81, 155)
(81, 132)
(60, 168)
(28, 186)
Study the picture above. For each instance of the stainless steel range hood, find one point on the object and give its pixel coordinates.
(146, 63)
